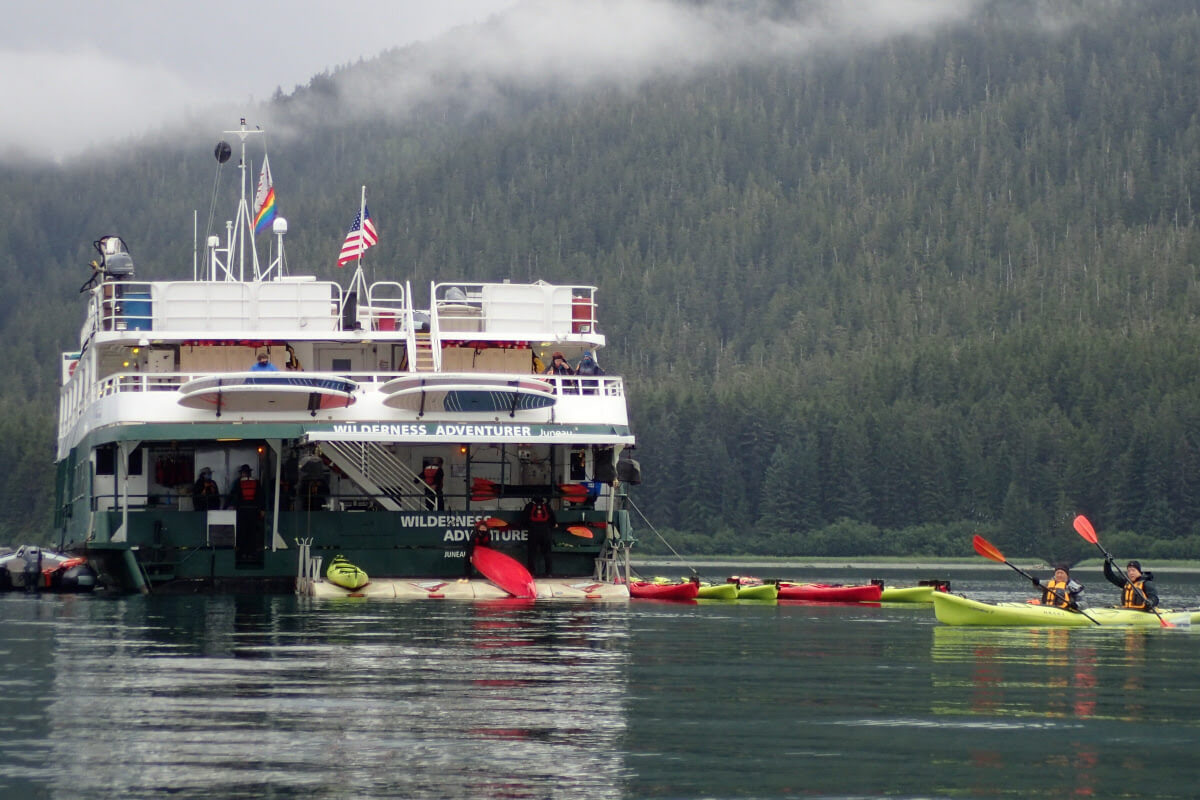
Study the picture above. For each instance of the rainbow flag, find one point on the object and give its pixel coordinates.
(264, 199)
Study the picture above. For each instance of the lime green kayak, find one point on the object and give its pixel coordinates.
(907, 594)
(345, 574)
(718, 591)
(952, 609)
(757, 591)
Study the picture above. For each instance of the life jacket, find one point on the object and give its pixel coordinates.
(1057, 594)
(429, 475)
(1133, 597)
(247, 490)
(539, 513)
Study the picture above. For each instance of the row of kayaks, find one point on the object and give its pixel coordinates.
(952, 609)
(744, 588)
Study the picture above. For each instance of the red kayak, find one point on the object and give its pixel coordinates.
(830, 593)
(504, 571)
(648, 590)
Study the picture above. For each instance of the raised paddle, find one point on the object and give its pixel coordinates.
(988, 550)
(1084, 528)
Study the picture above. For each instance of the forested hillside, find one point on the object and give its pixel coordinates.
(868, 300)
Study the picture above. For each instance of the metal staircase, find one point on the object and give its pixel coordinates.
(388, 480)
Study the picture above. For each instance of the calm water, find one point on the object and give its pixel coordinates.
(281, 697)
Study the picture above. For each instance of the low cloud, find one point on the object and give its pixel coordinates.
(92, 97)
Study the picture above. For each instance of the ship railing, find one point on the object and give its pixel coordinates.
(75, 403)
(506, 308)
(587, 385)
(281, 305)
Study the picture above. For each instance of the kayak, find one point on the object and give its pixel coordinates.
(829, 593)
(718, 591)
(342, 573)
(907, 594)
(652, 590)
(757, 591)
(952, 609)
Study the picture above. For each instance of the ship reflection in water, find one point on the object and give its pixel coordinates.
(257, 696)
(234, 696)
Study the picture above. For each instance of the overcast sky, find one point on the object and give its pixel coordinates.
(78, 73)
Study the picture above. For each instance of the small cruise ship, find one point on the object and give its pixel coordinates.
(238, 429)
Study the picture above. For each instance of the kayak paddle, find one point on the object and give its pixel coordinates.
(988, 550)
(1084, 528)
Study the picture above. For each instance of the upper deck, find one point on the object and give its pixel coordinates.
(178, 352)
(304, 308)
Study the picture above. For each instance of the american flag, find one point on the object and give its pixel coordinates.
(361, 236)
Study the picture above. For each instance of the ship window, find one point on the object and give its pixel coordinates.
(106, 461)
(340, 364)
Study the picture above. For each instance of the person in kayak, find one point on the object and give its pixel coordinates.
(1137, 587)
(1061, 590)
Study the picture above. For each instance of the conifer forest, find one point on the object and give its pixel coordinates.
(868, 298)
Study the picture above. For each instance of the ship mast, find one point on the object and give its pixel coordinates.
(240, 231)
(243, 225)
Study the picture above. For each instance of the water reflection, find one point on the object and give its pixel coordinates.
(247, 696)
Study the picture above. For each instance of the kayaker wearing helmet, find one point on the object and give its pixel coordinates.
(1060, 590)
(1137, 587)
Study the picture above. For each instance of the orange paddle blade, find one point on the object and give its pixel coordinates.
(580, 531)
(987, 549)
(495, 522)
(1085, 529)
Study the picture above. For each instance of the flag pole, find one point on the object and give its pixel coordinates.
(358, 280)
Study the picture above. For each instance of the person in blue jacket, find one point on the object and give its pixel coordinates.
(263, 363)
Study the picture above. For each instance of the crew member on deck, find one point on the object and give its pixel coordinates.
(1060, 590)
(1137, 587)
(434, 479)
(482, 535)
(559, 365)
(539, 521)
(206, 495)
(248, 497)
(262, 363)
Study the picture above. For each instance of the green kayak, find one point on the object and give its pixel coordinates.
(757, 591)
(907, 594)
(345, 574)
(718, 591)
(952, 609)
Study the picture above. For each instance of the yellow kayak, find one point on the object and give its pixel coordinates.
(342, 573)
(952, 609)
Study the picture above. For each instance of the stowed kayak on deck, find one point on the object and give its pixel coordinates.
(952, 609)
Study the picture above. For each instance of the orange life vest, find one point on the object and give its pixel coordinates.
(539, 513)
(1132, 596)
(429, 475)
(248, 490)
(1056, 594)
